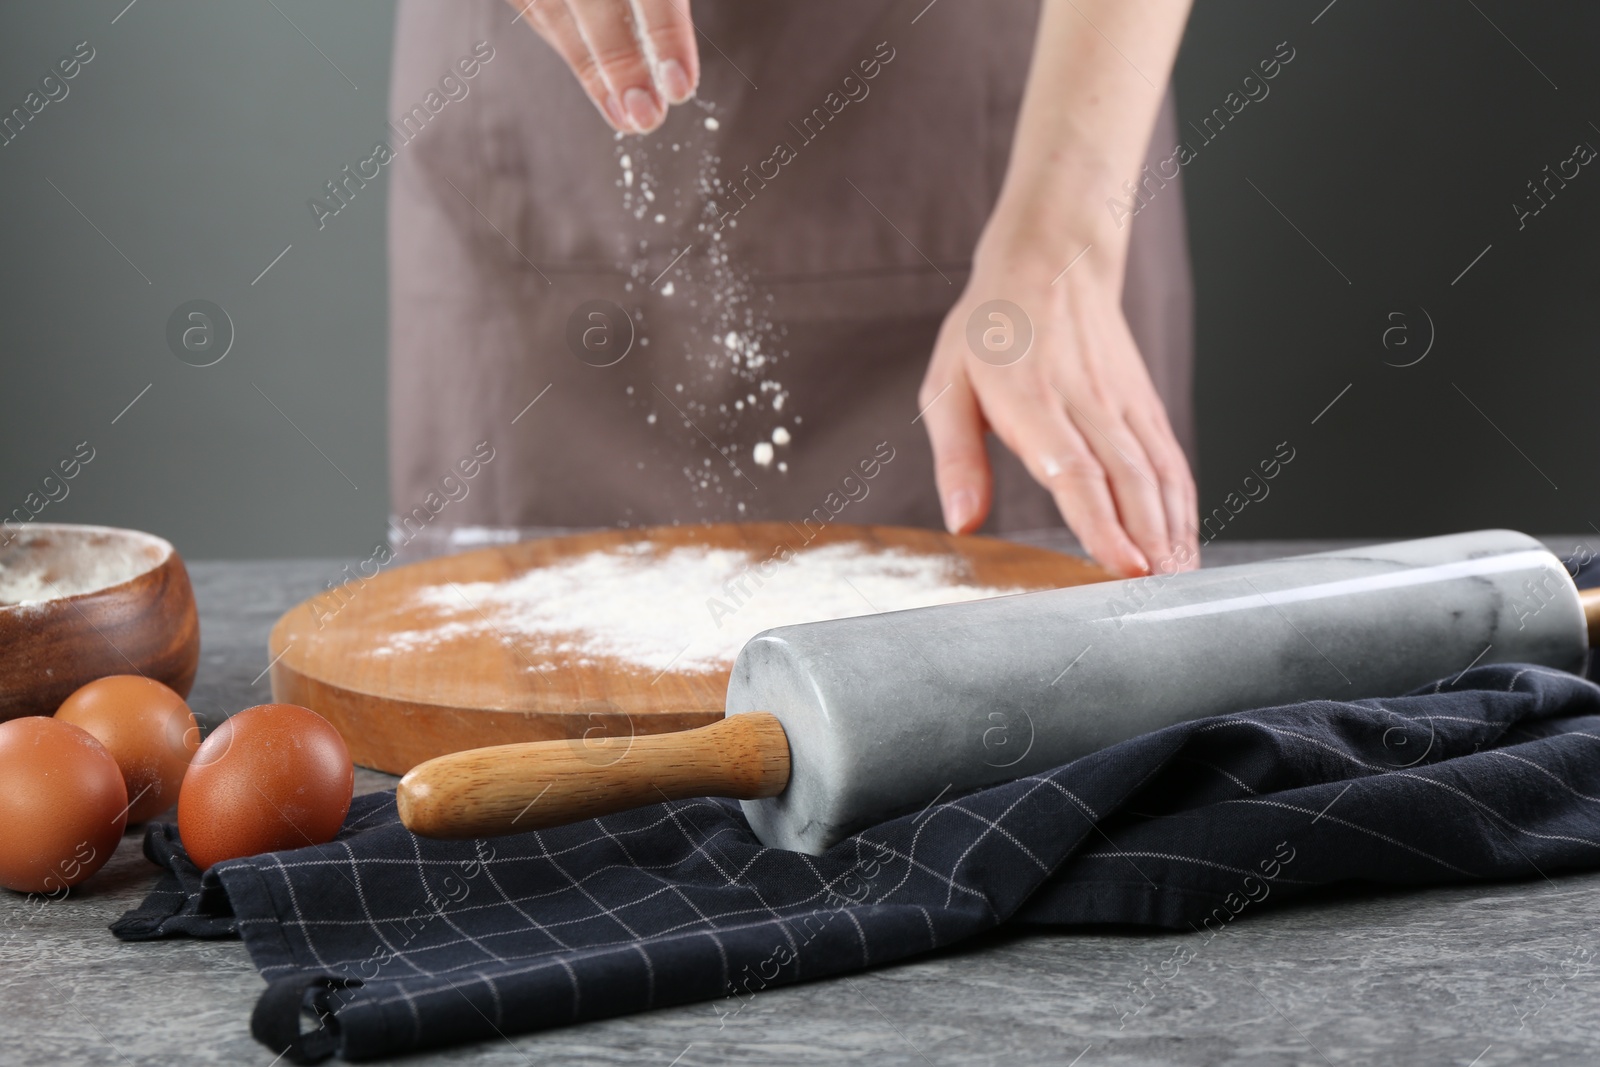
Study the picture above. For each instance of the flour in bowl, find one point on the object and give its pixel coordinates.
(686, 609)
(49, 561)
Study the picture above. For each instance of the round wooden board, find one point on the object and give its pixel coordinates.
(397, 709)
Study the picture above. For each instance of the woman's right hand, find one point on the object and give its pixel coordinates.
(631, 73)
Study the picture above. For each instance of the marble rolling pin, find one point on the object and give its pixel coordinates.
(833, 726)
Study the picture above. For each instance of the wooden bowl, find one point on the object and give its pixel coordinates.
(81, 602)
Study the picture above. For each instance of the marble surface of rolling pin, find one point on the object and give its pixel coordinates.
(885, 712)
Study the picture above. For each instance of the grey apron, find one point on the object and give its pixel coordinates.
(785, 267)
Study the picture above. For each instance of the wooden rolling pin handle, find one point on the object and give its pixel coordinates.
(1590, 599)
(509, 789)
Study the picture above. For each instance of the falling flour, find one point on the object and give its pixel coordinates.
(686, 609)
(676, 249)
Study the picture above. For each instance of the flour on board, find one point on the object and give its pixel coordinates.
(687, 609)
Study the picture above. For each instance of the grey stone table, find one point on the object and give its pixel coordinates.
(1475, 975)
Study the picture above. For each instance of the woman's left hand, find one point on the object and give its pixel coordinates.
(1076, 405)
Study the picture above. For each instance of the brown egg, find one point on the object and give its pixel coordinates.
(63, 806)
(273, 777)
(147, 728)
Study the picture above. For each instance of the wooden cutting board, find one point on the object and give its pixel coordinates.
(372, 659)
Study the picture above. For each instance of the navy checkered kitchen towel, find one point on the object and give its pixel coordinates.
(399, 943)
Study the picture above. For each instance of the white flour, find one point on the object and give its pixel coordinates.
(687, 609)
(47, 562)
(730, 333)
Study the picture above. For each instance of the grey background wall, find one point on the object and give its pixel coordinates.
(1396, 143)
(191, 143)
(1332, 220)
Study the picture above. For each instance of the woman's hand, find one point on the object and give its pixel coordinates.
(631, 72)
(1077, 407)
